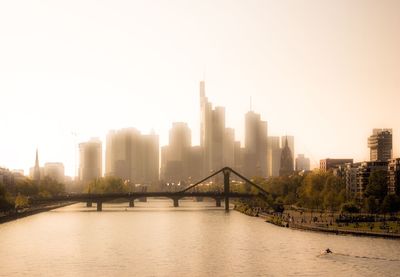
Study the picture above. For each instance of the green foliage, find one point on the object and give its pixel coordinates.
(5, 202)
(21, 202)
(377, 185)
(107, 184)
(391, 204)
(50, 187)
(371, 204)
(350, 207)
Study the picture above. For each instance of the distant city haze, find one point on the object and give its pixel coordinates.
(325, 72)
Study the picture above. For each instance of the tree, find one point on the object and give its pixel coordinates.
(5, 203)
(371, 204)
(21, 201)
(377, 185)
(390, 204)
(350, 207)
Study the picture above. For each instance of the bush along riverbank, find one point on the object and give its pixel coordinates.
(17, 214)
(377, 226)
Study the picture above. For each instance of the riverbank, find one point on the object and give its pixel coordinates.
(32, 211)
(326, 225)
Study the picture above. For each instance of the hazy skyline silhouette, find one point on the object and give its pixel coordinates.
(325, 72)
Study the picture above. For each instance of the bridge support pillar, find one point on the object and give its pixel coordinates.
(227, 173)
(218, 202)
(176, 202)
(99, 206)
(89, 204)
(131, 203)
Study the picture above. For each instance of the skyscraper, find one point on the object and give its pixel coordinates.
(274, 156)
(132, 156)
(212, 130)
(90, 164)
(255, 145)
(380, 144)
(175, 158)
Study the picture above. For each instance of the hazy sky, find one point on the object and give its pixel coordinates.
(326, 72)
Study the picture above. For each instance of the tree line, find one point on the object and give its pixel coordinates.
(16, 196)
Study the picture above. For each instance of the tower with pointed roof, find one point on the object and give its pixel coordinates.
(36, 172)
(286, 160)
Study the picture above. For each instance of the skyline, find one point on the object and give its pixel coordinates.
(326, 73)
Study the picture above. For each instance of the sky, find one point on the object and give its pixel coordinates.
(327, 72)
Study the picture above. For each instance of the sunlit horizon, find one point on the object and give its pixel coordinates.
(324, 72)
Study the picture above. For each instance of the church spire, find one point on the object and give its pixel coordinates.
(36, 172)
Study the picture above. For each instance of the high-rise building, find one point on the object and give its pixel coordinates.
(290, 142)
(302, 163)
(54, 171)
(286, 167)
(90, 164)
(380, 144)
(132, 156)
(151, 159)
(255, 145)
(212, 130)
(229, 148)
(274, 156)
(394, 176)
(175, 157)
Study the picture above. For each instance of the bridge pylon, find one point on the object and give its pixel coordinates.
(227, 174)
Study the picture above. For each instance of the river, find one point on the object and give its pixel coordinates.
(196, 239)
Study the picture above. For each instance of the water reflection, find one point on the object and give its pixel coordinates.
(196, 239)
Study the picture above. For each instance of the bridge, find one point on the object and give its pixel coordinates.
(225, 195)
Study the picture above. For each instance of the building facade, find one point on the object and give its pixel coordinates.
(54, 171)
(90, 160)
(394, 176)
(286, 167)
(380, 144)
(363, 172)
(330, 164)
(132, 156)
(256, 144)
(302, 163)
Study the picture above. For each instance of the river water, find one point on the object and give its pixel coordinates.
(196, 239)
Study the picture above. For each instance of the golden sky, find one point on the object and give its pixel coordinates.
(326, 72)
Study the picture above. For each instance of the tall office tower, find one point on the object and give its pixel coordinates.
(274, 156)
(255, 145)
(195, 164)
(290, 141)
(238, 155)
(54, 171)
(286, 160)
(132, 156)
(151, 158)
(36, 169)
(212, 129)
(302, 163)
(380, 144)
(180, 140)
(229, 148)
(175, 157)
(90, 160)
